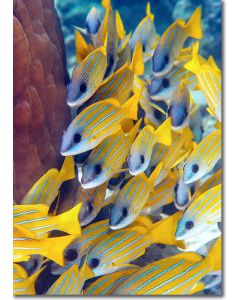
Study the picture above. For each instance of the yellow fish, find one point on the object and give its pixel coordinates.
(119, 84)
(35, 219)
(87, 77)
(46, 189)
(107, 283)
(118, 248)
(170, 156)
(22, 283)
(95, 123)
(71, 282)
(142, 147)
(177, 275)
(209, 80)
(52, 248)
(107, 158)
(203, 158)
(130, 200)
(201, 214)
(171, 42)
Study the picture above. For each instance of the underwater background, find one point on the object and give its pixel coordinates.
(73, 13)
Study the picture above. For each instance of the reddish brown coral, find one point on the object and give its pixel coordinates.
(40, 110)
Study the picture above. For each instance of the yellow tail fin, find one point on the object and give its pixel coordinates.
(120, 27)
(54, 247)
(67, 171)
(163, 232)
(106, 4)
(148, 11)
(68, 221)
(214, 257)
(130, 108)
(163, 134)
(194, 26)
(193, 65)
(137, 64)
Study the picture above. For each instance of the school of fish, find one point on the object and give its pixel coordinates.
(145, 135)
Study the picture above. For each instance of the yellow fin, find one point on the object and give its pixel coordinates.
(130, 107)
(198, 287)
(194, 27)
(155, 173)
(193, 65)
(163, 231)
(163, 134)
(148, 11)
(120, 27)
(142, 221)
(157, 108)
(132, 134)
(214, 257)
(67, 171)
(107, 4)
(137, 64)
(68, 221)
(82, 48)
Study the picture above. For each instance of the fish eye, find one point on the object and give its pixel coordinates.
(165, 83)
(89, 206)
(157, 114)
(176, 188)
(98, 169)
(124, 212)
(77, 138)
(83, 87)
(71, 254)
(195, 168)
(142, 159)
(166, 59)
(94, 263)
(189, 225)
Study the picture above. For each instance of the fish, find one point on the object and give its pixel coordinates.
(107, 283)
(182, 194)
(209, 80)
(179, 107)
(35, 218)
(87, 77)
(170, 156)
(203, 158)
(23, 247)
(119, 84)
(142, 147)
(117, 249)
(92, 201)
(95, 123)
(203, 213)
(46, 189)
(145, 32)
(130, 200)
(177, 275)
(163, 87)
(172, 41)
(71, 282)
(196, 125)
(81, 246)
(22, 283)
(163, 194)
(107, 158)
(93, 22)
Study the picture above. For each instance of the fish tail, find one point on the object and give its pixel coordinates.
(106, 4)
(132, 134)
(120, 27)
(163, 134)
(130, 107)
(214, 257)
(68, 221)
(163, 232)
(67, 171)
(155, 174)
(137, 64)
(148, 11)
(194, 27)
(193, 65)
(54, 247)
